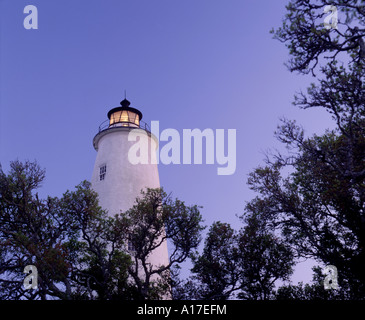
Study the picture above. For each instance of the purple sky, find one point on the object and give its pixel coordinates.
(188, 64)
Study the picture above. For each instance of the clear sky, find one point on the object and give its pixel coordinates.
(188, 64)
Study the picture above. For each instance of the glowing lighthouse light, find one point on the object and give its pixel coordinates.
(124, 116)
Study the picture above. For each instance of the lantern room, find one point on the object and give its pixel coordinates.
(124, 116)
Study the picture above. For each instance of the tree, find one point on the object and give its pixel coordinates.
(315, 195)
(313, 291)
(153, 220)
(244, 264)
(80, 252)
(310, 43)
(99, 265)
(28, 236)
(65, 239)
(265, 258)
(217, 269)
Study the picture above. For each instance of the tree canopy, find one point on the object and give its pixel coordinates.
(79, 251)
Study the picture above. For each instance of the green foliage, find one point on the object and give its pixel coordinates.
(310, 43)
(314, 197)
(310, 291)
(216, 269)
(265, 259)
(155, 219)
(79, 251)
(244, 264)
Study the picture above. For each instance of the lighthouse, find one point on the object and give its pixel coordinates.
(116, 179)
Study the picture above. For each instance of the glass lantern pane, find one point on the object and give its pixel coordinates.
(115, 117)
(131, 116)
(124, 116)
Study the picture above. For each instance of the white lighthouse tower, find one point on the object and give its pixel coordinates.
(117, 181)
